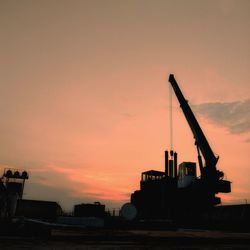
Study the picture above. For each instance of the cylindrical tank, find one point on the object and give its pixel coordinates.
(8, 174)
(25, 175)
(16, 174)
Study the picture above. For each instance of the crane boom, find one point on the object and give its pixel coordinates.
(182, 194)
(200, 139)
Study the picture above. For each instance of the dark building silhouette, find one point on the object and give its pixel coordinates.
(38, 209)
(89, 210)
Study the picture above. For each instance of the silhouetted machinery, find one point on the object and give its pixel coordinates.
(11, 190)
(14, 181)
(178, 192)
(89, 210)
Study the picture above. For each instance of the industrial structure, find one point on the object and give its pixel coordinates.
(89, 210)
(11, 190)
(12, 203)
(178, 192)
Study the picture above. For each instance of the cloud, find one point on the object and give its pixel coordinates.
(235, 116)
(79, 185)
(68, 185)
(247, 140)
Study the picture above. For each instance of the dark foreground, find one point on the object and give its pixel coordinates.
(128, 239)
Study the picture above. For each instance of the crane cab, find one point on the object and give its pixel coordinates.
(187, 174)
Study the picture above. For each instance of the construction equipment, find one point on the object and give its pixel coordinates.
(210, 176)
(181, 194)
(11, 190)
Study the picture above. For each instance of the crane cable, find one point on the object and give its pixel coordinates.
(170, 117)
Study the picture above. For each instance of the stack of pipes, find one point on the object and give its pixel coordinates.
(171, 164)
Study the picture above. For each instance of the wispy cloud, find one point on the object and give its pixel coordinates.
(233, 115)
(82, 184)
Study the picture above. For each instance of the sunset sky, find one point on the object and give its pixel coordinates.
(84, 92)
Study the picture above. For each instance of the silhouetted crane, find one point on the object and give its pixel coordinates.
(209, 174)
(181, 194)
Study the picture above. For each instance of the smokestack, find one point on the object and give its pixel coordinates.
(171, 172)
(166, 163)
(171, 153)
(175, 164)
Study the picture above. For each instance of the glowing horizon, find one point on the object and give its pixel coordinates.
(84, 92)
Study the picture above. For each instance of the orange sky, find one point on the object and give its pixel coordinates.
(84, 92)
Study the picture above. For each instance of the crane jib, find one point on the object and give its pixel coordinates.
(200, 139)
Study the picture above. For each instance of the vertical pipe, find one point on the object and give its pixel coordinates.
(171, 153)
(175, 164)
(166, 164)
(171, 172)
(171, 164)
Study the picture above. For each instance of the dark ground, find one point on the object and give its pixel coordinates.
(129, 239)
